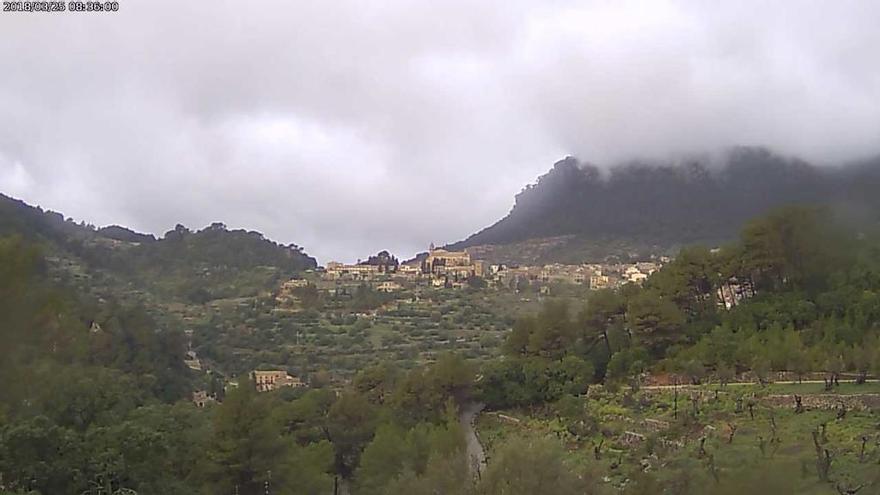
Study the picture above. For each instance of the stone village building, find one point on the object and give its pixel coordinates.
(450, 268)
(265, 381)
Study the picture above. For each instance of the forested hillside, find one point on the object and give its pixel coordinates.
(84, 384)
(94, 401)
(212, 263)
(663, 205)
(810, 301)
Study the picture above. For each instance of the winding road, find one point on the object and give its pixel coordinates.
(476, 456)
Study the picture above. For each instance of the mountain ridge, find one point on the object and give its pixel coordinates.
(669, 204)
(202, 265)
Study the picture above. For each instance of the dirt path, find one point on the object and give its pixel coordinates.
(476, 456)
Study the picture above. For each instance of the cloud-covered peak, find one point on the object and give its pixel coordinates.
(351, 127)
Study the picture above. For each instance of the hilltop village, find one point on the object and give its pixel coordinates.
(399, 292)
(343, 317)
(439, 268)
(412, 310)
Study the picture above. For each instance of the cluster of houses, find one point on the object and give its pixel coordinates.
(263, 380)
(593, 275)
(437, 268)
(733, 291)
(442, 268)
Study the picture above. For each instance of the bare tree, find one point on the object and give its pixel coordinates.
(772, 426)
(731, 433)
(823, 458)
(862, 450)
(675, 400)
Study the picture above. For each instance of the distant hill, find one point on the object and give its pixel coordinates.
(576, 211)
(214, 262)
(120, 233)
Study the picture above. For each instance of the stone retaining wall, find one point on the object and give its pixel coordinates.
(856, 402)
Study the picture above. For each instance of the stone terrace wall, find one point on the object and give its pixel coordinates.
(857, 402)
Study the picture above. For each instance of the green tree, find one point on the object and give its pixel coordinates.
(604, 310)
(656, 322)
(383, 459)
(862, 360)
(351, 424)
(446, 474)
(554, 332)
(517, 342)
(453, 376)
(36, 454)
(761, 369)
(395, 453)
(377, 382)
(725, 373)
(626, 364)
(793, 246)
(690, 280)
(528, 466)
(694, 370)
(571, 375)
(423, 394)
(246, 447)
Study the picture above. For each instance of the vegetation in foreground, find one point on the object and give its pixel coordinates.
(640, 442)
(104, 410)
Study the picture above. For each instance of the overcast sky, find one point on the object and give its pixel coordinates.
(350, 127)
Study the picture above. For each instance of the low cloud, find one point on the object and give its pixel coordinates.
(348, 128)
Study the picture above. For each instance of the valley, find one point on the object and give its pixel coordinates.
(744, 365)
(440, 248)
